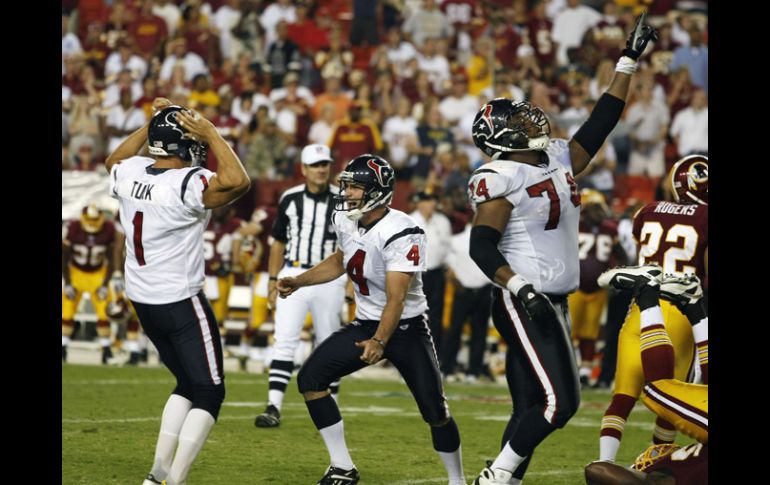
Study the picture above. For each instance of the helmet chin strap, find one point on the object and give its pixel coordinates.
(354, 214)
(539, 143)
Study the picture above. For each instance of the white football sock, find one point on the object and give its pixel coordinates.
(192, 436)
(174, 415)
(334, 437)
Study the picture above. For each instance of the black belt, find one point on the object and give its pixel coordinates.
(556, 298)
(297, 264)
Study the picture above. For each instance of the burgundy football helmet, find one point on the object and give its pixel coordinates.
(690, 180)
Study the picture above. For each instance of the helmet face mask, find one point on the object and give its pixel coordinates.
(690, 180)
(166, 138)
(503, 126)
(375, 176)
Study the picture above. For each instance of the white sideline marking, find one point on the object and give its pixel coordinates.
(122, 382)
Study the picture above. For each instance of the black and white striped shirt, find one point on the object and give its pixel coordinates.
(304, 224)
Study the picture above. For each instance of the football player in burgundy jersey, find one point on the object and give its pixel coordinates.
(673, 235)
(525, 239)
(383, 252)
(165, 205)
(91, 249)
(598, 239)
(685, 405)
(218, 253)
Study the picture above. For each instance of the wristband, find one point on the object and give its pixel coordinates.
(516, 283)
(379, 341)
(626, 65)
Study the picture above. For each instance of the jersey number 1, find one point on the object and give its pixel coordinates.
(138, 248)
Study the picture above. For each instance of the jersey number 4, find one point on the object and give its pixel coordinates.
(549, 188)
(355, 267)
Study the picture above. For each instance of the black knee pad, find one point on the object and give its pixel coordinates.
(209, 397)
(184, 389)
(566, 409)
(435, 415)
(446, 437)
(307, 381)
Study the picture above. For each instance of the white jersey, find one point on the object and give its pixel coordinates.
(541, 238)
(394, 243)
(164, 219)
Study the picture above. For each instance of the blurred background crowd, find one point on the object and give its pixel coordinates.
(398, 78)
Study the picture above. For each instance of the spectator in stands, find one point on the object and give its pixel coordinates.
(480, 66)
(226, 18)
(458, 102)
(306, 33)
(176, 50)
(695, 57)
(432, 136)
(83, 126)
(398, 50)
(570, 25)
(353, 136)
(649, 121)
(266, 153)
(70, 44)
(427, 22)
(149, 31)
(334, 95)
(122, 120)
(430, 61)
(690, 128)
(680, 90)
(170, 13)
(281, 10)
(202, 94)
(321, 130)
(400, 136)
(282, 56)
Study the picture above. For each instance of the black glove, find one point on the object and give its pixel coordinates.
(537, 305)
(640, 36)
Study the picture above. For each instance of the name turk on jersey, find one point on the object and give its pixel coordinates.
(142, 191)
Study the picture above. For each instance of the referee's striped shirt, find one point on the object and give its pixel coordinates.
(304, 223)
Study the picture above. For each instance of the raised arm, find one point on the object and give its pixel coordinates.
(136, 140)
(606, 114)
(231, 181)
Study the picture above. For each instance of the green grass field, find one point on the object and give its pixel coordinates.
(111, 415)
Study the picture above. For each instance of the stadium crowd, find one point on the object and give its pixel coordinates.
(399, 78)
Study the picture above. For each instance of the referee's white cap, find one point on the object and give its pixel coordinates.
(316, 153)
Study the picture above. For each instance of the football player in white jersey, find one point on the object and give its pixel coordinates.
(525, 239)
(165, 205)
(383, 252)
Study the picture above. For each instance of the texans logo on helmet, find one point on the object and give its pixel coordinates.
(372, 163)
(487, 117)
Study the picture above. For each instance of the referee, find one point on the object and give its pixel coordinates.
(303, 237)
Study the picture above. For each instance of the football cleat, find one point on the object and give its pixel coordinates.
(64, 353)
(151, 480)
(339, 476)
(271, 418)
(681, 290)
(631, 278)
(134, 358)
(489, 476)
(106, 354)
